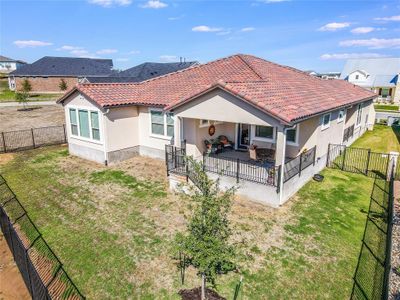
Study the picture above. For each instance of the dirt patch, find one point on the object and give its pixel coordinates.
(6, 157)
(12, 285)
(195, 294)
(12, 119)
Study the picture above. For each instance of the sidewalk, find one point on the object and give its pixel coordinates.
(30, 103)
(12, 285)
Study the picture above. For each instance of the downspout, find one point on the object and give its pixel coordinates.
(105, 148)
(281, 179)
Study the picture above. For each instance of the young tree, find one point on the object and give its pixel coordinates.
(63, 85)
(206, 243)
(26, 86)
(22, 95)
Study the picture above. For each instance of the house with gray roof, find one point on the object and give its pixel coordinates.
(380, 75)
(46, 74)
(8, 65)
(142, 72)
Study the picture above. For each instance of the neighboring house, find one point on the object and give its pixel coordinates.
(46, 73)
(327, 76)
(380, 75)
(8, 65)
(244, 98)
(142, 72)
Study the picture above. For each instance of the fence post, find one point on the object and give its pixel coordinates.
(29, 272)
(166, 159)
(4, 142)
(344, 157)
(237, 169)
(327, 156)
(187, 170)
(278, 179)
(204, 162)
(300, 163)
(33, 138)
(65, 134)
(368, 158)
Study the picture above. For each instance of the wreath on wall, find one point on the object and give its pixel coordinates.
(211, 130)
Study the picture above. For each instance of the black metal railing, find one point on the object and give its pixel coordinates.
(11, 141)
(296, 165)
(41, 270)
(348, 133)
(372, 275)
(176, 162)
(358, 160)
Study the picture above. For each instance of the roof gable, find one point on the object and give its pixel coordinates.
(66, 66)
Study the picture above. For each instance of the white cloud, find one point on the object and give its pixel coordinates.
(372, 43)
(155, 4)
(392, 18)
(68, 48)
(175, 18)
(204, 28)
(108, 3)
(362, 30)
(247, 29)
(334, 26)
(107, 51)
(122, 59)
(31, 44)
(79, 52)
(134, 52)
(169, 58)
(350, 55)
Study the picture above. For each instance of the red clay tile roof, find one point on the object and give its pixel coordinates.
(284, 92)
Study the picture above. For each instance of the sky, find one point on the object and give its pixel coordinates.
(308, 35)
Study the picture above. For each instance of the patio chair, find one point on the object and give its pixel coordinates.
(225, 142)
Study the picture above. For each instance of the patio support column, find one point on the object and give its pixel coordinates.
(178, 131)
(280, 155)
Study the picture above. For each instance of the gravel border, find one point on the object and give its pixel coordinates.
(394, 285)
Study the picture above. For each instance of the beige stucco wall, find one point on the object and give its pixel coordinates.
(122, 128)
(219, 105)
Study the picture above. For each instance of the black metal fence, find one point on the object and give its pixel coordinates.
(232, 167)
(11, 141)
(41, 270)
(358, 160)
(296, 165)
(371, 278)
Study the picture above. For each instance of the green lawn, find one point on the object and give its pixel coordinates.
(112, 228)
(7, 95)
(381, 139)
(386, 107)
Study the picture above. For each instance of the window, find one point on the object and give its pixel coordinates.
(84, 123)
(157, 122)
(384, 92)
(291, 135)
(161, 123)
(326, 121)
(83, 116)
(359, 115)
(170, 125)
(266, 132)
(341, 115)
(94, 121)
(73, 121)
(357, 77)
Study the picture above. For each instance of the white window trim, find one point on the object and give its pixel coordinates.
(209, 123)
(339, 120)
(296, 142)
(323, 126)
(161, 136)
(253, 136)
(79, 137)
(359, 108)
